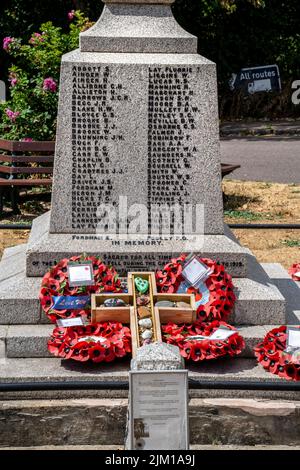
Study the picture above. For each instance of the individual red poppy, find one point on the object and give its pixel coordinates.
(294, 271)
(186, 349)
(83, 348)
(46, 300)
(97, 353)
(119, 350)
(109, 355)
(196, 353)
(59, 276)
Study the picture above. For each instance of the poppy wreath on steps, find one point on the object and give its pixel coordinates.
(221, 295)
(200, 350)
(101, 342)
(295, 269)
(271, 355)
(55, 283)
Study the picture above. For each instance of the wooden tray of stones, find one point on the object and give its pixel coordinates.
(144, 320)
(144, 311)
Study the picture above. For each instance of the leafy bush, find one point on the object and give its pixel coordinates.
(30, 113)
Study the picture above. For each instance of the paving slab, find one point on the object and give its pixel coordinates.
(43, 370)
(31, 340)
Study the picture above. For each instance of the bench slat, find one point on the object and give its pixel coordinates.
(226, 168)
(13, 170)
(27, 159)
(25, 182)
(16, 146)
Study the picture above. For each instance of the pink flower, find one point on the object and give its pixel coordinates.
(50, 85)
(71, 15)
(6, 42)
(13, 79)
(36, 38)
(27, 139)
(12, 115)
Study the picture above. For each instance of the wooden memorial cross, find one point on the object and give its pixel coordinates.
(130, 313)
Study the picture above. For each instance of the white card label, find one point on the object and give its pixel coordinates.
(293, 338)
(222, 333)
(70, 322)
(80, 274)
(195, 271)
(94, 339)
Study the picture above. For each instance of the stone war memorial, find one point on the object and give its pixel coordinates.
(132, 279)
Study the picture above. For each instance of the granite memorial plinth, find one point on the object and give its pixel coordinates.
(137, 140)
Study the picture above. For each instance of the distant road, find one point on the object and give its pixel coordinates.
(263, 159)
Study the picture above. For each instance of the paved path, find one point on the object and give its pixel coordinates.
(263, 158)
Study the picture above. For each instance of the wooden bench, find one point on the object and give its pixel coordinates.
(17, 171)
(228, 168)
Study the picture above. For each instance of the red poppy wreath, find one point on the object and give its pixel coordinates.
(102, 342)
(55, 283)
(220, 296)
(204, 349)
(294, 271)
(271, 355)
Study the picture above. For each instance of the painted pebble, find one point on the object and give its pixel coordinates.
(114, 303)
(183, 305)
(144, 312)
(147, 334)
(143, 300)
(145, 323)
(165, 303)
(142, 285)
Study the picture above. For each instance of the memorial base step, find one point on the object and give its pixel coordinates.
(101, 422)
(222, 377)
(25, 341)
(135, 253)
(259, 301)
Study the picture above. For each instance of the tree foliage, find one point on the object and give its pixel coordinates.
(30, 113)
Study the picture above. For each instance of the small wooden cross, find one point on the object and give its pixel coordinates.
(129, 314)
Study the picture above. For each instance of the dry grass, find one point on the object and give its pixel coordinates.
(265, 202)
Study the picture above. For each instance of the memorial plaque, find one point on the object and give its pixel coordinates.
(141, 138)
(159, 410)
